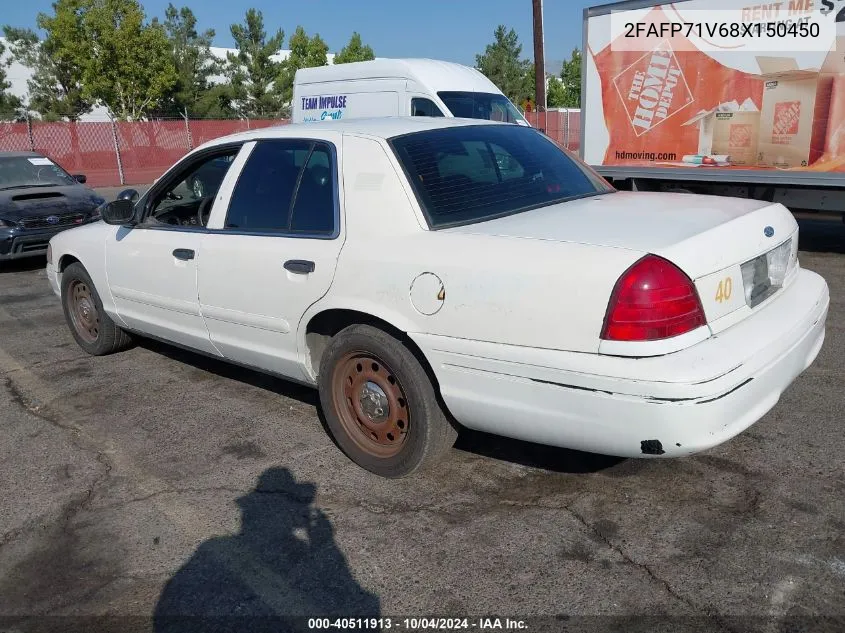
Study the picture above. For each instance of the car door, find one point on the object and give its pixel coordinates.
(152, 265)
(272, 252)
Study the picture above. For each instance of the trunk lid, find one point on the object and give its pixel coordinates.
(708, 237)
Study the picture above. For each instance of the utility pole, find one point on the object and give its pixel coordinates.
(539, 58)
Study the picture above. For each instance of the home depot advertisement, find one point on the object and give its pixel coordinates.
(717, 84)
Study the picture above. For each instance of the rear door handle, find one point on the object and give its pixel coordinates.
(300, 266)
(183, 253)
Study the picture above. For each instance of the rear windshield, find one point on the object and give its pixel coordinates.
(474, 173)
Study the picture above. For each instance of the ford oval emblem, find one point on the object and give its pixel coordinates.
(52, 219)
(768, 231)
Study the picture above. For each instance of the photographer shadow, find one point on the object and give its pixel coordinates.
(282, 568)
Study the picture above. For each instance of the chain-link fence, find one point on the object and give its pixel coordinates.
(113, 153)
(562, 124)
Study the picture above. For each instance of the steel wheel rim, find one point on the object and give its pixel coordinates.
(83, 311)
(371, 404)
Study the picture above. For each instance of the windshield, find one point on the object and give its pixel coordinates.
(32, 171)
(475, 173)
(481, 105)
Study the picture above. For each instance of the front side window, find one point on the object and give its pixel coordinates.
(187, 199)
(479, 172)
(424, 107)
(481, 105)
(285, 186)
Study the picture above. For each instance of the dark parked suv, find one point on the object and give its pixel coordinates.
(37, 200)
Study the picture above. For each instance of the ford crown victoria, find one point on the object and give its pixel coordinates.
(431, 274)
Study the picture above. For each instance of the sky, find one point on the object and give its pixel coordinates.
(451, 30)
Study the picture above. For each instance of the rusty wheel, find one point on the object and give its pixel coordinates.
(89, 323)
(371, 404)
(83, 311)
(381, 404)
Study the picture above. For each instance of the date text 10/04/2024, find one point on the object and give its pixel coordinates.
(417, 624)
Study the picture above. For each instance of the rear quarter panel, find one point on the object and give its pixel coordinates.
(506, 290)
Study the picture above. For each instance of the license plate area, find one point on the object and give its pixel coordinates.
(764, 275)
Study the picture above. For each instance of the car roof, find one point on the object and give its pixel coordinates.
(381, 127)
(19, 154)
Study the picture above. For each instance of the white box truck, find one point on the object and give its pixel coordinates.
(398, 87)
(672, 101)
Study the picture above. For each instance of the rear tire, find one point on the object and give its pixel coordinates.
(380, 404)
(91, 327)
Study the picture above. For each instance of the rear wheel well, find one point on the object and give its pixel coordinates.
(67, 260)
(325, 325)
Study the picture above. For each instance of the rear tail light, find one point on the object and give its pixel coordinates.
(652, 300)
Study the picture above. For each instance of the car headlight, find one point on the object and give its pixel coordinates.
(7, 223)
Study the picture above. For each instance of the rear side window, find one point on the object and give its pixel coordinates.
(479, 172)
(313, 207)
(285, 186)
(424, 107)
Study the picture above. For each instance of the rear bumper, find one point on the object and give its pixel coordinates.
(672, 405)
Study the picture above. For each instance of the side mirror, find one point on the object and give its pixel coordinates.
(128, 194)
(119, 212)
(80, 178)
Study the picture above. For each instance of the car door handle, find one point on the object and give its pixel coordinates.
(299, 266)
(183, 254)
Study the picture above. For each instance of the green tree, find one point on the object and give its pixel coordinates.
(216, 102)
(555, 93)
(194, 62)
(252, 70)
(305, 52)
(570, 75)
(529, 88)
(129, 66)
(354, 51)
(10, 105)
(502, 63)
(55, 88)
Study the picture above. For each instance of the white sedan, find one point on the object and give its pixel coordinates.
(425, 274)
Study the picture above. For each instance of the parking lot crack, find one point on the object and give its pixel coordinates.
(649, 571)
(81, 504)
(171, 491)
(46, 363)
(19, 399)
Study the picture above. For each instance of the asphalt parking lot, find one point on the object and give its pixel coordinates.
(158, 482)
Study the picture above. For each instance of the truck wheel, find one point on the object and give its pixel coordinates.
(92, 328)
(380, 404)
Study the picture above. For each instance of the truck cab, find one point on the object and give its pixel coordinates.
(398, 87)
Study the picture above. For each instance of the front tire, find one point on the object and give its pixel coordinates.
(380, 405)
(91, 327)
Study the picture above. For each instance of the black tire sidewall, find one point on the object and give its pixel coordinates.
(419, 393)
(76, 272)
